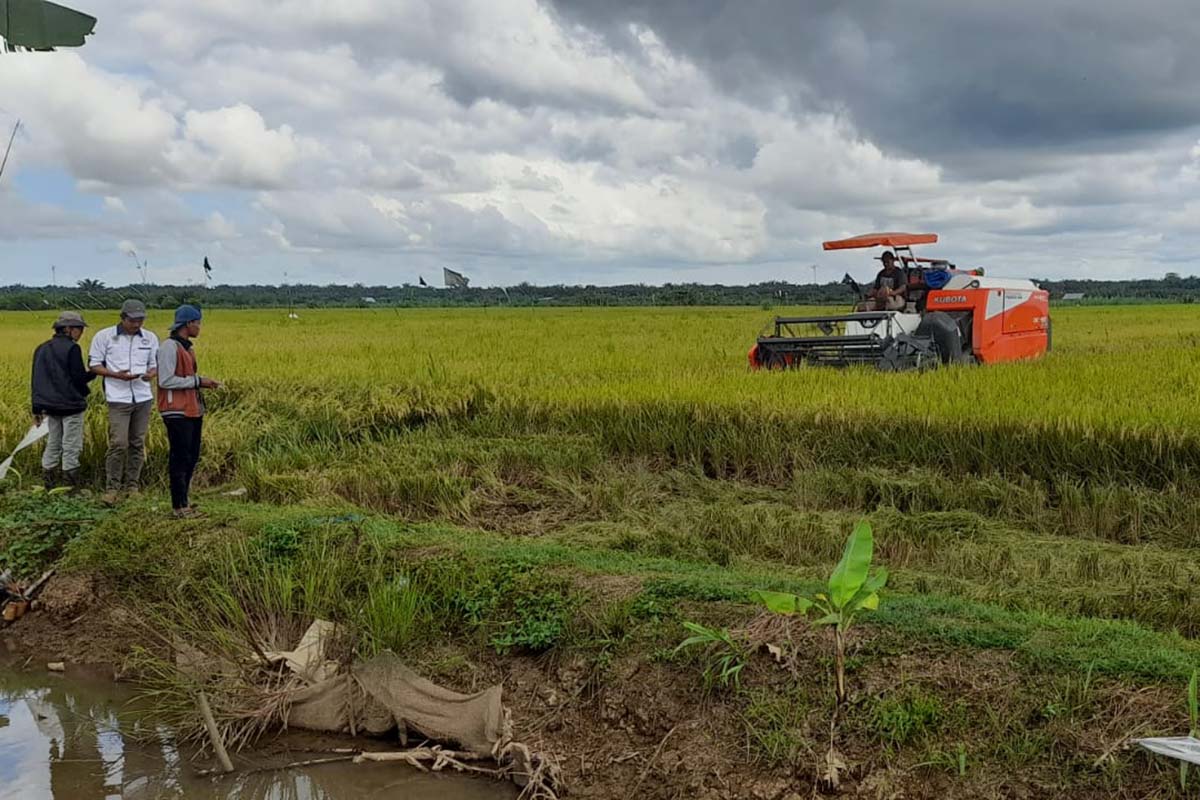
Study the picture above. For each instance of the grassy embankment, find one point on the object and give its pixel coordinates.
(948, 696)
(1043, 511)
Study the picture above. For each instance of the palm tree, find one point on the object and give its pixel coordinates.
(91, 285)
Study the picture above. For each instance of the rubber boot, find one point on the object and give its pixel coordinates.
(49, 478)
(72, 479)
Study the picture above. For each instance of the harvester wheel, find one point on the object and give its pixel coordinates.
(944, 331)
(777, 361)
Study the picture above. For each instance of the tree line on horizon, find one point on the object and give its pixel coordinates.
(94, 294)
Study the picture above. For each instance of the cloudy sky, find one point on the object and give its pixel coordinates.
(602, 141)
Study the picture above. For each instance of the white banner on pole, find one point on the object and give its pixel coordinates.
(36, 432)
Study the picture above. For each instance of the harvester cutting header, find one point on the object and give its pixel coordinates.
(918, 313)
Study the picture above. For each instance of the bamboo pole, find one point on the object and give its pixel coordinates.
(214, 735)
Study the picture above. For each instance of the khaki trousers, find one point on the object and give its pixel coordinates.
(127, 426)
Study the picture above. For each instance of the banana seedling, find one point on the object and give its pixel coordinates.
(852, 589)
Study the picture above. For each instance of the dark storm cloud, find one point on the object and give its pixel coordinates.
(940, 77)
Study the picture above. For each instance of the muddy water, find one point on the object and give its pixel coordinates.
(78, 738)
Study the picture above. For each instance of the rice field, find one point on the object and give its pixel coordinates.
(1116, 401)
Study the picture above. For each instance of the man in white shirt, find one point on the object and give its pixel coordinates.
(126, 355)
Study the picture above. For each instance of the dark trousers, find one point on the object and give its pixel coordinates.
(183, 435)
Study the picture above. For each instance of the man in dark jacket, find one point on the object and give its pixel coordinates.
(60, 390)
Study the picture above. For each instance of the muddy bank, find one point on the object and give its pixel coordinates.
(631, 721)
(77, 621)
(640, 727)
(949, 699)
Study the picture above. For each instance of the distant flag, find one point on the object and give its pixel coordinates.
(422, 280)
(454, 280)
(207, 268)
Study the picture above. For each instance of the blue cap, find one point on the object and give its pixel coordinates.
(185, 314)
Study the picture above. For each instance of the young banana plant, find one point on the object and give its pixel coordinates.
(852, 589)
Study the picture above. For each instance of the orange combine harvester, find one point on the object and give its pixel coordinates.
(947, 316)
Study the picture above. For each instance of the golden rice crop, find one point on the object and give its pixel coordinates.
(1114, 401)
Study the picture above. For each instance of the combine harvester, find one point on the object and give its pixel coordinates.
(951, 316)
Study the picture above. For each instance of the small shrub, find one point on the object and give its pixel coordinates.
(647, 606)
(279, 540)
(537, 623)
(511, 603)
(37, 526)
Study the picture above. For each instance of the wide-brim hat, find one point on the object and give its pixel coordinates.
(69, 319)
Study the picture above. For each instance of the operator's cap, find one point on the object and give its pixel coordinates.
(133, 309)
(887, 255)
(69, 319)
(185, 314)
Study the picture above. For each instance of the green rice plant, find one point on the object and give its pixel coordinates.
(391, 614)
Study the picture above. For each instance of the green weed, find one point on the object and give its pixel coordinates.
(37, 526)
(722, 658)
(907, 716)
(776, 726)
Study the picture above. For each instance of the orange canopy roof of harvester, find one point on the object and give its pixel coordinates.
(893, 239)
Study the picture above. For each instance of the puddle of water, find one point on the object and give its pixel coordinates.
(73, 738)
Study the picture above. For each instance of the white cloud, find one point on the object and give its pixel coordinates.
(234, 146)
(100, 126)
(461, 131)
(219, 227)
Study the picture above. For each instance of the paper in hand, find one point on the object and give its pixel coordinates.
(36, 432)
